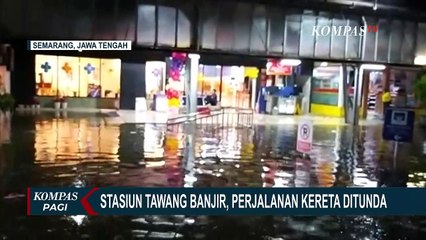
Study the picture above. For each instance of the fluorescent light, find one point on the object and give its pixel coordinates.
(290, 62)
(324, 64)
(194, 56)
(373, 67)
(420, 60)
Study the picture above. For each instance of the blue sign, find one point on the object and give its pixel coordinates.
(89, 68)
(46, 67)
(399, 125)
(226, 201)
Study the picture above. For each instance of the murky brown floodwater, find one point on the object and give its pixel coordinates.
(83, 150)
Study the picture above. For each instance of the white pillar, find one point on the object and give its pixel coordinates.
(341, 94)
(253, 93)
(359, 76)
(191, 83)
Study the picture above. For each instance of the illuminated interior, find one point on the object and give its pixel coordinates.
(4, 80)
(155, 74)
(77, 77)
(229, 82)
(325, 85)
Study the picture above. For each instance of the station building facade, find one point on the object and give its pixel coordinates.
(233, 38)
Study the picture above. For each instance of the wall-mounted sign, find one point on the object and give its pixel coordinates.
(274, 67)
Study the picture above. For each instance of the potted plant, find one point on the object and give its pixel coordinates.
(64, 103)
(57, 103)
(420, 93)
(7, 102)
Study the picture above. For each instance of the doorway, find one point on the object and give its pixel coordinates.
(375, 83)
(234, 84)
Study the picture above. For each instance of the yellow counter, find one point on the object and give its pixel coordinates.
(327, 110)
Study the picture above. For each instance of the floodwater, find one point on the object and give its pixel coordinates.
(83, 150)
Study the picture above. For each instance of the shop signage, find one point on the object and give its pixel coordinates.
(274, 67)
(356, 31)
(304, 136)
(399, 125)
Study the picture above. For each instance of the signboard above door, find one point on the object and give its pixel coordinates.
(275, 67)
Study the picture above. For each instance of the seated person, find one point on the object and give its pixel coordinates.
(212, 99)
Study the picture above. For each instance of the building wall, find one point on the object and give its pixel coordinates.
(229, 26)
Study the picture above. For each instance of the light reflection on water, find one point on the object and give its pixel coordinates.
(86, 151)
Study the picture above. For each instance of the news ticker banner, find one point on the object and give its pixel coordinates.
(226, 201)
(98, 45)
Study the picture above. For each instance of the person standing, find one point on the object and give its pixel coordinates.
(386, 99)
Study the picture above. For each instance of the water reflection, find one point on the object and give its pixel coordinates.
(83, 150)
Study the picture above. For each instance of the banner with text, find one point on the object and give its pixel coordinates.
(226, 201)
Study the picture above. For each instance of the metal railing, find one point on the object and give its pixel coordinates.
(224, 117)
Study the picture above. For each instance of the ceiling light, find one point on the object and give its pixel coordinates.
(377, 67)
(420, 60)
(290, 62)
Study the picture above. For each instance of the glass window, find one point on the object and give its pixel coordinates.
(292, 35)
(184, 30)
(146, 24)
(166, 26)
(259, 29)
(322, 46)
(369, 43)
(383, 36)
(126, 26)
(232, 80)
(77, 77)
(242, 25)
(421, 40)
(408, 43)
(68, 76)
(46, 75)
(396, 41)
(276, 35)
(404, 79)
(155, 74)
(225, 30)
(110, 77)
(210, 79)
(209, 18)
(353, 42)
(307, 40)
(338, 41)
(90, 84)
